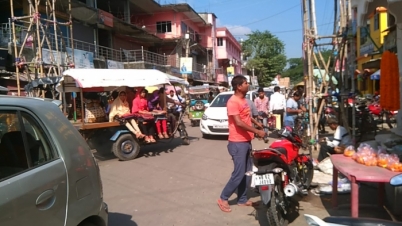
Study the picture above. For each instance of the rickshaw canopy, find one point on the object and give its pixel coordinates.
(107, 79)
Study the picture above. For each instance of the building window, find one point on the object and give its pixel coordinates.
(219, 42)
(164, 26)
(376, 21)
(183, 28)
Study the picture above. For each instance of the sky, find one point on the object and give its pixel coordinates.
(281, 17)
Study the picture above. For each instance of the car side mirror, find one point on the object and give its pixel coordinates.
(396, 180)
(206, 105)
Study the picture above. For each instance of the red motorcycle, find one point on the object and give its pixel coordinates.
(390, 116)
(282, 173)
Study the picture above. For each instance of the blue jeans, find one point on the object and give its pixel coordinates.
(264, 120)
(290, 123)
(240, 152)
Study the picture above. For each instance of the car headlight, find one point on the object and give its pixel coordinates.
(204, 117)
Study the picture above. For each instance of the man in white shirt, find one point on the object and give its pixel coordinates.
(277, 103)
(341, 138)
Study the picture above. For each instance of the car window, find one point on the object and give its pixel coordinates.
(220, 100)
(23, 144)
(268, 94)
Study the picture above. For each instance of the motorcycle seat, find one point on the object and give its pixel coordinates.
(360, 221)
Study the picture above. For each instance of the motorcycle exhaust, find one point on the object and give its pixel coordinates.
(290, 190)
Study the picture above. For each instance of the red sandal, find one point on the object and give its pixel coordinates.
(224, 206)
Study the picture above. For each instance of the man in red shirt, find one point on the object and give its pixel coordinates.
(241, 132)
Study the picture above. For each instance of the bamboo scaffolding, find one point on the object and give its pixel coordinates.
(40, 34)
(312, 57)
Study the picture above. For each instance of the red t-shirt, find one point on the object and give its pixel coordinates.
(238, 106)
(139, 104)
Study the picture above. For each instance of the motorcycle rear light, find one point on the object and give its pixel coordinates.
(264, 188)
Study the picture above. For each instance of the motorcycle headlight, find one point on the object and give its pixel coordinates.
(204, 117)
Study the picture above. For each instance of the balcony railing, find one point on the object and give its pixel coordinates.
(100, 52)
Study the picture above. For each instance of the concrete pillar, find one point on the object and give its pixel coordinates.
(127, 13)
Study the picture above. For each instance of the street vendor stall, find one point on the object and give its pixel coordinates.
(94, 124)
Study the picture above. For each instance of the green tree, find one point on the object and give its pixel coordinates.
(295, 70)
(266, 54)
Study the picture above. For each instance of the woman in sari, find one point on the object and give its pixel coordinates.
(140, 105)
(120, 107)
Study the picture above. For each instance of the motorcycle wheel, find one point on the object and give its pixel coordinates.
(275, 213)
(306, 174)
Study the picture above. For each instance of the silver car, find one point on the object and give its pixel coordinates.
(48, 175)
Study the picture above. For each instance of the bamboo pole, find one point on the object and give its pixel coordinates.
(55, 37)
(39, 49)
(71, 32)
(17, 70)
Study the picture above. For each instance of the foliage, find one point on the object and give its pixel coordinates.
(266, 54)
(295, 69)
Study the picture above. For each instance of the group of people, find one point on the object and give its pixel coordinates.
(277, 104)
(242, 131)
(150, 109)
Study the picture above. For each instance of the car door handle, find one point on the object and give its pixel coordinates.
(46, 200)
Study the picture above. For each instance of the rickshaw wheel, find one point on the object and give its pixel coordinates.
(186, 140)
(126, 147)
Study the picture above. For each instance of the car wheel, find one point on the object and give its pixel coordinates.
(126, 147)
(205, 136)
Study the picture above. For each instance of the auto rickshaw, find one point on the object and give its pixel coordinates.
(198, 96)
(100, 132)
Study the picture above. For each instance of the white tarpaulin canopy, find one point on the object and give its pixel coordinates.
(174, 79)
(73, 79)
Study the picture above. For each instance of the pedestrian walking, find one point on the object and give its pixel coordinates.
(241, 132)
(277, 104)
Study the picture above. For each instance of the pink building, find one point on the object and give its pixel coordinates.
(212, 49)
(228, 53)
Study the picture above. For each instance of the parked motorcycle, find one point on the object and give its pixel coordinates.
(281, 173)
(343, 221)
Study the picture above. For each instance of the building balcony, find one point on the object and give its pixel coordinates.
(100, 53)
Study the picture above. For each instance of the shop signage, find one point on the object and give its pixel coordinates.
(82, 59)
(105, 18)
(111, 64)
(186, 65)
(367, 48)
(390, 40)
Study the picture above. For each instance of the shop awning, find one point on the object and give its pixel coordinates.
(96, 78)
(376, 75)
(320, 73)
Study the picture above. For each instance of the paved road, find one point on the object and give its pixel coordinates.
(179, 185)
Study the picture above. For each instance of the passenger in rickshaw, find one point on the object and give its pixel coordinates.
(119, 108)
(175, 109)
(140, 105)
(210, 97)
(160, 119)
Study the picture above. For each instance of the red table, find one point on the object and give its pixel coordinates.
(356, 172)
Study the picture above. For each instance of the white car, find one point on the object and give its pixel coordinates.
(215, 118)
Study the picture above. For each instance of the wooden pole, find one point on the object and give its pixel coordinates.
(71, 32)
(17, 70)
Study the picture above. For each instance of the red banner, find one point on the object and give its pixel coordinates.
(105, 18)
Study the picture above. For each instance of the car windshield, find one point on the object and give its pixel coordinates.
(203, 96)
(221, 100)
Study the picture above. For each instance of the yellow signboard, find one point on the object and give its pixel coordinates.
(230, 70)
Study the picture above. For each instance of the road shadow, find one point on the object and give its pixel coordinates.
(368, 203)
(120, 219)
(260, 212)
(101, 142)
